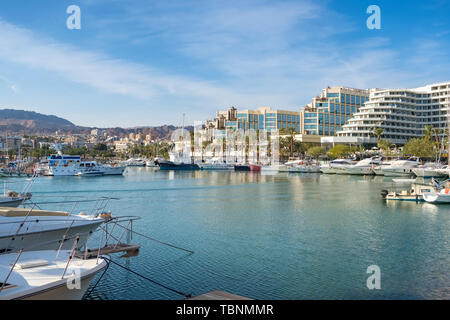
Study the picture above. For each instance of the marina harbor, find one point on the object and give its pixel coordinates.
(214, 159)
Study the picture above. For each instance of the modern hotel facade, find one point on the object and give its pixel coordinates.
(329, 112)
(402, 113)
(263, 118)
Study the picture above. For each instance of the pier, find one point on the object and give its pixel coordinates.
(218, 295)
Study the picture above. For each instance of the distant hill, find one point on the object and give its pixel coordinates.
(30, 122)
(33, 122)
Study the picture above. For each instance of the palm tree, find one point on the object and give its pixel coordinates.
(436, 133)
(378, 132)
(427, 132)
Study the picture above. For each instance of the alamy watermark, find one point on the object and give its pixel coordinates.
(74, 20)
(232, 146)
(374, 280)
(374, 20)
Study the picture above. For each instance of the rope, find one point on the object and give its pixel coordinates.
(156, 240)
(186, 295)
(96, 283)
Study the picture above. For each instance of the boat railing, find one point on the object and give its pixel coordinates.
(103, 248)
(99, 204)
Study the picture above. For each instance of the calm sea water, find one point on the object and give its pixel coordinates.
(283, 236)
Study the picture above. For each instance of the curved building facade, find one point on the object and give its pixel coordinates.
(402, 113)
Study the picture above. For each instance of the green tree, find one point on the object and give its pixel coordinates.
(386, 146)
(316, 152)
(378, 132)
(427, 132)
(339, 151)
(420, 147)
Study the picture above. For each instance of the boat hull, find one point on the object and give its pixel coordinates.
(181, 166)
(241, 168)
(437, 198)
(45, 238)
(360, 171)
(255, 168)
(400, 172)
(11, 203)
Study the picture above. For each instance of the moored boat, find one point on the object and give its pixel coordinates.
(337, 166)
(416, 193)
(47, 275)
(241, 167)
(169, 165)
(401, 167)
(22, 228)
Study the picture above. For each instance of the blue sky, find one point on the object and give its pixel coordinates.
(139, 63)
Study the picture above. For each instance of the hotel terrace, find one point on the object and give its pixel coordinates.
(402, 113)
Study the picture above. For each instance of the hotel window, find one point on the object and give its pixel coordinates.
(358, 99)
(331, 107)
(347, 99)
(284, 117)
(352, 99)
(289, 118)
(279, 117)
(342, 98)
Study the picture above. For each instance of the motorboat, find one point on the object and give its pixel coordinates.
(47, 275)
(69, 165)
(442, 196)
(377, 170)
(13, 199)
(363, 167)
(22, 228)
(337, 166)
(401, 167)
(132, 162)
(431, 170)
(416, 192)
(305, 167)
(151, 164)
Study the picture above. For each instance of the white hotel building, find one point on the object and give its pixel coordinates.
(402, 113)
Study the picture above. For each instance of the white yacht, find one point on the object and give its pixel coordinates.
(364, 167)
(431, 170)
(47, 275)
(337, 166)
(401, 167)
(68, 165)
(24, 227)
(151, 164)
(378, 169)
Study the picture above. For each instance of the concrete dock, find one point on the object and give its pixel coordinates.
(218, 295)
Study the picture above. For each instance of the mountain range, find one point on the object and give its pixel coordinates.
(32, 123)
